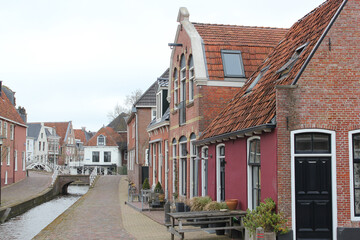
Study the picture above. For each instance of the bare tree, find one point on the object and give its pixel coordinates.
(129, 102)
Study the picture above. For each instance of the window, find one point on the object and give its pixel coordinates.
(43, 146)
(160, 163)
(183, 165)
(176, 88)
(5, 130)
(107, 156)
(158, 105)
(254, 172)
(133, 130)
(6, 177)
(23, 161)
(259, 76)
(16, 163)
(147, 157)
(312, 143)
(220, 172)
(191, 79)
(8, 156)
(39, 146)
(1, 133)
(166, 155)
(101, 140)
(154, 163)
(194, 168)
(27, 144)
(204, 171)
(95, 156)
(174, 175)
(182, 79)
(153, 113)
(42, 135)
(354, 142)
(286, 68)
(232, 63)
(12, 131)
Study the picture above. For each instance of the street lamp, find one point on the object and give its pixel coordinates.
(1, 143)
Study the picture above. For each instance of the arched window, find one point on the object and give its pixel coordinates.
(182, 78)
(194, 168)
(101, 140)
(220, 172)
(191, 78)
(183, 165)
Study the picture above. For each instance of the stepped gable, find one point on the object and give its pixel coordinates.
(255, 43)
(257, 107)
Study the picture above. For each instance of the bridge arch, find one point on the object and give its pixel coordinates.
(65, 180)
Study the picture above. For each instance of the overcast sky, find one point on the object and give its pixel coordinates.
(76, 59)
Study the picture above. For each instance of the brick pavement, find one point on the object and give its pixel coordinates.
(96, 215)
(31, 186)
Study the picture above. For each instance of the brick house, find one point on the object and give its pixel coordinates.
(158, 129)
(13, 138)
(67, 142)
(143, 111)
(292, 132)
(208, 65)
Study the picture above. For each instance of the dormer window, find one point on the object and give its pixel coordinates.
(284, 70)
(191, 79)
(232, 63)
(101, 140)
(256, 80)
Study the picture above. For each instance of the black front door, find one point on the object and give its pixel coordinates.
(313, 197)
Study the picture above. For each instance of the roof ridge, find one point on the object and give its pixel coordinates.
(143, 95)
(233, 25)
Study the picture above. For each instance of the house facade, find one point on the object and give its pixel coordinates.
(292, 132)
(158, 129)
(36, 131)
(67, 142)
(12, 141)
(119, 125)
(205, 72)
(143, 111)
(102, 151)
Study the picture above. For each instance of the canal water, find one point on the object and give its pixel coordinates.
(29, 224)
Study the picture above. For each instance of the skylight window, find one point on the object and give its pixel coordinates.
(232, 63)
(256, 80)
(284, 70)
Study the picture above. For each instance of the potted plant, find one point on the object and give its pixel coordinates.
(160, 192)
(232, 203)
(146, 185)
(266, 217)
(214, 206)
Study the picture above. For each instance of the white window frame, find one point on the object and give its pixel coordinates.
(193, 160)
(6, 178)
(12, 131)
(176, 88)
(351, 167)
(153, 113)
(160, 163)
(104, 140)
(249, 172)
(203, 171)
(191, 80)
(147, 157)
(166, 156)
(8, 156)
(159, 105)
(5, 130)
(23, 161)
(218, 182)
(16, 163)
(173, 167)
(333, 174)
(154, 164)
(181, 170)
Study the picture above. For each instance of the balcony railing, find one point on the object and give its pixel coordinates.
(182, 112)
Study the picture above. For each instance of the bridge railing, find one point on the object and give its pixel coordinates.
(93, 176)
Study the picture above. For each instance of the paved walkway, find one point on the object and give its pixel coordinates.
(31, 186)
(97, 215)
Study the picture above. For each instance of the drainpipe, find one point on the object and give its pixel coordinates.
(14, 153)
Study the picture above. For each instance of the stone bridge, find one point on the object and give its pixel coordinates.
(63, 181)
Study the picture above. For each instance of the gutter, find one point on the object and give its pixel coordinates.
(327, 29)
(225, 136)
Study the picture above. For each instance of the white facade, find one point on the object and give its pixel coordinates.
(114, 152)
(29, 150)
(41, 146)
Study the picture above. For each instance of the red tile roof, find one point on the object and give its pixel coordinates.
(60, 128)
(255, 43)
(80, 134)
(258, 107)
(112, 137)
(8, 111)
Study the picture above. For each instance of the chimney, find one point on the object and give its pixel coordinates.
(22, 113)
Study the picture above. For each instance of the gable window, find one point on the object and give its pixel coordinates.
(101, 140)
(259, 76)
(107, 156)
(220, 172)
(232, 63)
(176, 88)
(254, 172)
(95, 156)
(191, 79)
(183, 165)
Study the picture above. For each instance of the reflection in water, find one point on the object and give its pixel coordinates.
(29, 224)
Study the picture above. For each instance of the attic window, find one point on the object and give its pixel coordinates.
(256, 80)
(101, 140)
(232, 63)
(284, 70)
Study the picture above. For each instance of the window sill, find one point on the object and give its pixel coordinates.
(190, 104)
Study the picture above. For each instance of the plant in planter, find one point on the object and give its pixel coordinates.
(198, 203)
(146, 185)
(160, 192)
(214, 206)
(265, 216)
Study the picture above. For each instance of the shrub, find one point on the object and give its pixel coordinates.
(146, 184)
(214, 205)
(198, 203)
(265, 216)
(158, 188)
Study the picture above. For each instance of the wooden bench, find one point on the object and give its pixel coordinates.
(206, 219)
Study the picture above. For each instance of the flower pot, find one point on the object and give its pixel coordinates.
(232, 203)
(180, 206)
(269, 236)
